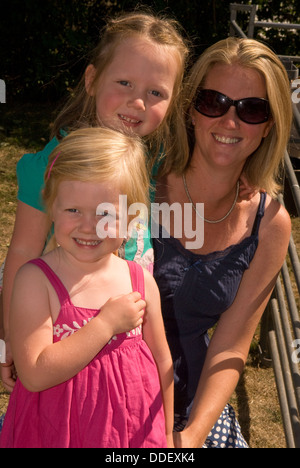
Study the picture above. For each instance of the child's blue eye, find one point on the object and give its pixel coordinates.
(124, 82)
(103, 213)
(72, 210)
(156, 93)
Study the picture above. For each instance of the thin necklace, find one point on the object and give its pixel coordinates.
(209, 220)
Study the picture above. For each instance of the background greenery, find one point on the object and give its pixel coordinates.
(44, 44)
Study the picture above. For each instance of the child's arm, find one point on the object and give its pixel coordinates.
(154, 336)
(42, 364)
(28, 240)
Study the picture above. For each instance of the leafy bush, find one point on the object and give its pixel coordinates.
(44, 46)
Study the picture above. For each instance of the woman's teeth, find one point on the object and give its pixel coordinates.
(226, 140)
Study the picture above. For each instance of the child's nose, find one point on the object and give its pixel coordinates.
(137, 102)
(88, 224)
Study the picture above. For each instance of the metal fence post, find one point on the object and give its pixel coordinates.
(280, 324)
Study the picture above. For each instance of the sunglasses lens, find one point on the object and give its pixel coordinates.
(250, 110)
(211, 103)
(253, 110)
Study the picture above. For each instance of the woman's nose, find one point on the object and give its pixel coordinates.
(231, 120)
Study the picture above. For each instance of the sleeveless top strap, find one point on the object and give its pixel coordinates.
(137, 278)
(58, 286)
(260, 214)
(136, 274)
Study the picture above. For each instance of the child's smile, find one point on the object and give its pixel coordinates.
(75, 220)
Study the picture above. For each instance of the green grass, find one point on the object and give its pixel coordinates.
(23, 128)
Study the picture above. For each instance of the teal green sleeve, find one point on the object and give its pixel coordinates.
(30, 174)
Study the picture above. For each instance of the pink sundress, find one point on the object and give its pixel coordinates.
(114, 402)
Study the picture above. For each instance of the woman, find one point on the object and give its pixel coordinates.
(238, 109)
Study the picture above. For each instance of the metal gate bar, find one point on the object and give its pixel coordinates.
(280, 324)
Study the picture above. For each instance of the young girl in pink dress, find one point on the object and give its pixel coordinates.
(94, 368)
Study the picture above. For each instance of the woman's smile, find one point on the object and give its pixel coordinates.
(226, 139)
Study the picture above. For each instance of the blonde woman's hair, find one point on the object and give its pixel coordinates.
(264, 167)
(99, 155)
(81, 108)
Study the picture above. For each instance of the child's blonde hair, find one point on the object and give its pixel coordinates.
(81, 109)
(99, 155)
(263, 167)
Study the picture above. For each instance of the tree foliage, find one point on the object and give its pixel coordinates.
(44, 46)
(282, 41)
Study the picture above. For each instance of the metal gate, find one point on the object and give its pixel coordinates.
(280, 324)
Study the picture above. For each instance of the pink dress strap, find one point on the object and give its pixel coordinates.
(57, 284)
(136, 274)
(137, 277)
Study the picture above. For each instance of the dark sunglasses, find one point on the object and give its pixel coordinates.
(250, 110)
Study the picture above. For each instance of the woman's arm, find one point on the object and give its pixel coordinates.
(42, 364)
(154, 336)
(229, 347)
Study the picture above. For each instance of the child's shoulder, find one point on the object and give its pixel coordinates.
(38, 159)
(138, 273)
(151, 287)
(30, 282)
(29, 271)
(30, 173)
(137, 267)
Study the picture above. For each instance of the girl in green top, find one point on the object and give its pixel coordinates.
(132, 84)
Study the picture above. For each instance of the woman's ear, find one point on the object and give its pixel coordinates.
(192, 113)
(90, 73)
(268, 128)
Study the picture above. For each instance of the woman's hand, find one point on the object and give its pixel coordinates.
(185, 440)
(170, 441)
(8, 371)
(246, 191)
